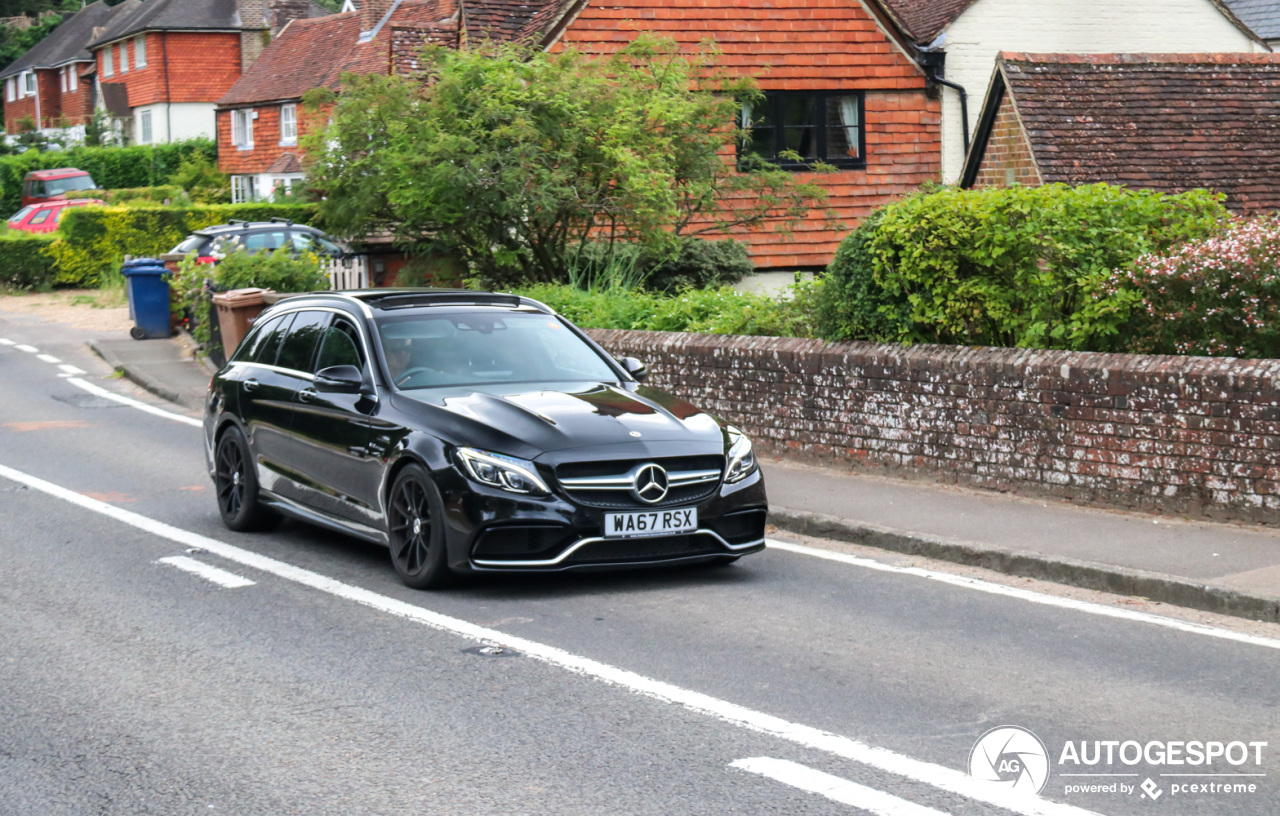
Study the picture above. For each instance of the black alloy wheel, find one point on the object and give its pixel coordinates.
(415, 516)
(237, 485)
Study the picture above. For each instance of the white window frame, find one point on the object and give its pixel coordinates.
(145, 135)
(73, 81)
(124, 56)
(11, 89)
(28, 83)
(242, 128)
(289, 136)
(62, 78)
(242, 189)
(108, 65)
(140, 51)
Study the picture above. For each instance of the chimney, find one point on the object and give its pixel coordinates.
(253, 30)
(282, 12)
(372, 12)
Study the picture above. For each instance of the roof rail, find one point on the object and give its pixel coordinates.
(275, 219)
(239, 221)
(402, 299)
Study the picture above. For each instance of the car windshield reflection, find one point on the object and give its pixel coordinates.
(461, 349)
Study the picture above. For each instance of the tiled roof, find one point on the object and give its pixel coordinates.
(1168, 122)
(69, 41)
(286, 163)
(1263, 16)
(185, 15)
(115, 97)
(512, 20)
(923, 20)
(315, 53)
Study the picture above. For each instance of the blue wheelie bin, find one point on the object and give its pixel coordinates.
(148, 286)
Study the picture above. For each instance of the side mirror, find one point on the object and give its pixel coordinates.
(635, 368)
(341, 379)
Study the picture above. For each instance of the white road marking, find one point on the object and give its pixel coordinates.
(71, 370)
(27, 349)
(220, 577)
(133, 403)
(48, 358)
(833, 787)
(938, 776)
(5, 341)
(1028, 595)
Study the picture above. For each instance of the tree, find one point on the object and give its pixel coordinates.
(509, 157)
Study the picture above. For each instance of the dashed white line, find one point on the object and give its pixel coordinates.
(48, 358)
(1028, 595)
(141, 406)
(5, 341)
(220, 577)
(72, 371)
(833, 787)
(938, 776)
(27, 349)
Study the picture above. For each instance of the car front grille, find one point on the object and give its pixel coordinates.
(607, 485)
(632, 550)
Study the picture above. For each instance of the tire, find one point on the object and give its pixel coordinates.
(138, 333)
(415, 530)
(236, 484)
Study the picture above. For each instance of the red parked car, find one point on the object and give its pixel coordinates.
(53, 185)
(45, 217)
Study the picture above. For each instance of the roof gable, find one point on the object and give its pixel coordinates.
(1168, 122)
(69, 41)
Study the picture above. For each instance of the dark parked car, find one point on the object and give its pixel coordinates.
(472, 432)
(212, 244)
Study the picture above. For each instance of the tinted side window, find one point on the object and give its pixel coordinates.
(341, 346)
(299, 349)
(261, 335)
(41, 217)
(264, 241)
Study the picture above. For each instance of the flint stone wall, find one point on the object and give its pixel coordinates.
(1183, 435)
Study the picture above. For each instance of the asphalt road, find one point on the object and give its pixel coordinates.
(130, 685)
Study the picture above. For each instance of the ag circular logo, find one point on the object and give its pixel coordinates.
(1011, 756)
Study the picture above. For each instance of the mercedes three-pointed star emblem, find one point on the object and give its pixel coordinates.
(650, 484)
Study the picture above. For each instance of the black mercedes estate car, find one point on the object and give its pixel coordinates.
(471, 432)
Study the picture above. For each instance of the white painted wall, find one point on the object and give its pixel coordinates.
(189, 121)
(988, 27)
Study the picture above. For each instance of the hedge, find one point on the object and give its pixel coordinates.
(111, 167)
(24, 264)
(94, 240)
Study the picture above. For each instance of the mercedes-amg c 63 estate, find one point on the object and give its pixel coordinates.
(471, 432)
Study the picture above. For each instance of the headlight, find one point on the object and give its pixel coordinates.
(503, 472)
(742, 459)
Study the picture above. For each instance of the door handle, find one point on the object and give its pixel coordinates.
(250, 385)
(307, 394)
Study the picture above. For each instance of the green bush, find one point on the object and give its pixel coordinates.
(710, 311)
(24, 263)
(1026, 266)
(692, 262)
(847, 302)
(94, 240)
(162, 195)
(1219, 296)
(111, 167)
(282, 271)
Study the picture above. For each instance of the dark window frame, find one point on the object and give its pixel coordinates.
(775, 100)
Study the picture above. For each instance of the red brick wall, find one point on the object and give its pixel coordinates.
(266, 139)
(77, 105)
(801, 45)
(20, 108)
(1187, 435)
(1007, 159)
(201, 67)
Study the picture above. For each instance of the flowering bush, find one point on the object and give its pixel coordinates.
(1218, 296)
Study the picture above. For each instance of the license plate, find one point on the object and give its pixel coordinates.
(655, 522)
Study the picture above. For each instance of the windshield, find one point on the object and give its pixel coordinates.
(16, 217)
(67, 185)
(475, 348)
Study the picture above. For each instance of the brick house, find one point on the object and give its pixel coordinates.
(959, 40)
(1166, 122)
(48, 84)
(161, 69)
(260, 119)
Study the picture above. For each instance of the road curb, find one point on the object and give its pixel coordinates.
(1085, 574)
(143, 380)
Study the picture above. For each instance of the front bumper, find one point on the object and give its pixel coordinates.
(488, 531)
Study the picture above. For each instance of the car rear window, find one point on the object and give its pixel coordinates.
(264, 241)
(42, 216)
(193, 243)
(299, 349)
(473, 348)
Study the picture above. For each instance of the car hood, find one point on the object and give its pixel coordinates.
(525, 419)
